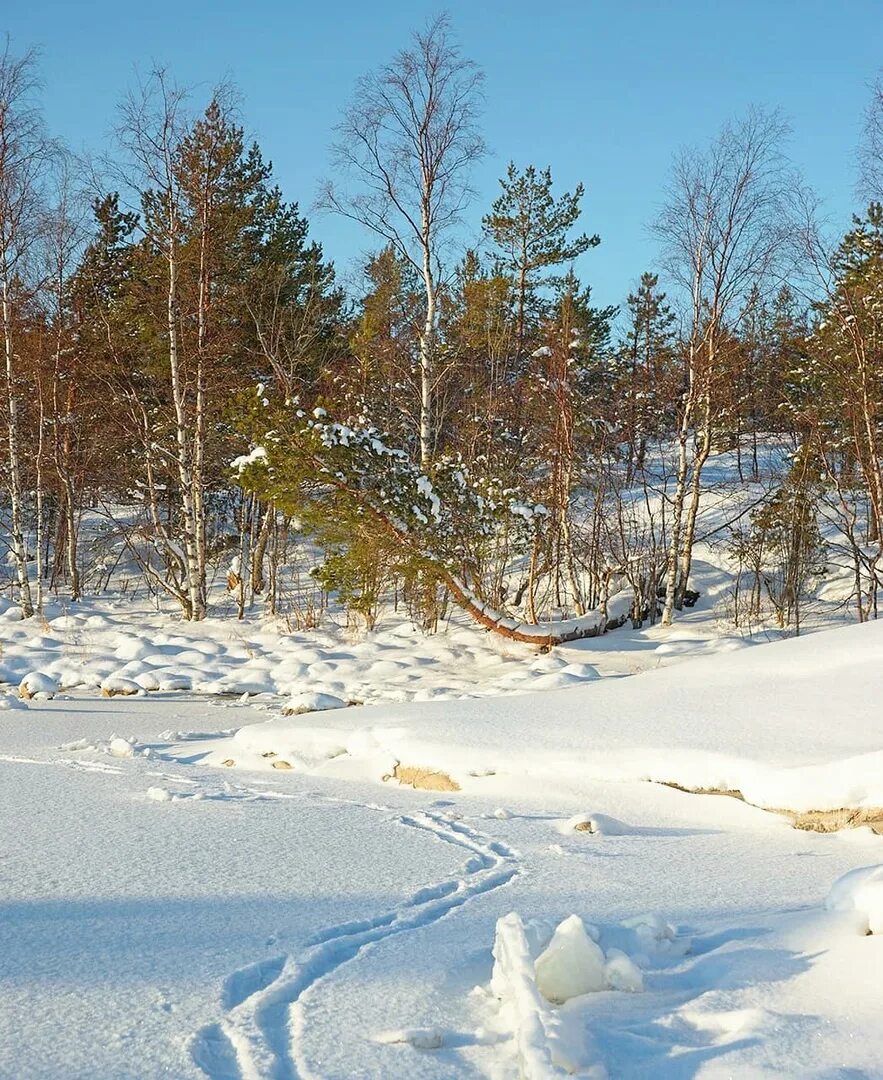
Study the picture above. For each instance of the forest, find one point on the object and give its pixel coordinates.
(191, 393)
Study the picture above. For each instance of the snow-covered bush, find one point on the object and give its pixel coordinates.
(36, 684)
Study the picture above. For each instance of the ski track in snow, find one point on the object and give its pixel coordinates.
(67, 763)
(260, 1035)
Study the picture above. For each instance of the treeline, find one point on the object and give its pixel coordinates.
(467, 426)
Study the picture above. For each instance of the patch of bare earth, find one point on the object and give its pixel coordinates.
(833, 820)
(822, 821)
(421, 778)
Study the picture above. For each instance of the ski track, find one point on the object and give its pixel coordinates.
(81, 765)
(261, 1033)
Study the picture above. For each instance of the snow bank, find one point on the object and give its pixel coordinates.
(597, 824)
(101, 644)
(792, 725)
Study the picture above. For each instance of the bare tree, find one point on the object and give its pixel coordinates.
(65, 235)
(24, 151)
(405, 145)
(843, 417)
(725, 229)
(153, 125)
(871, 149)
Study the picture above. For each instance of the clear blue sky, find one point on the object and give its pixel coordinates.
(602, 90)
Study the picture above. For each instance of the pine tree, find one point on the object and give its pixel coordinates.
(529, 229)
(645, 359)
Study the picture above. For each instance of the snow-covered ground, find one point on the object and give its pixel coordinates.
(166, 913)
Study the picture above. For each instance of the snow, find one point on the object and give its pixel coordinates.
(119, 747)
(306, 703)
(571, 964)
(861, 891)
(258, 453)
(124, 648)
(37, 684)
(419, 1038)
(177, 902)
(8, 702)
(747, 720)
(597, 824)
(119, 684)
(622, 973)
(538, 1051)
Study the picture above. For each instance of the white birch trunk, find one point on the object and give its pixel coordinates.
(19, 549)
(194, 607)
(427, 348)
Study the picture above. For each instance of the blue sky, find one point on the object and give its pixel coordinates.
(603, 91)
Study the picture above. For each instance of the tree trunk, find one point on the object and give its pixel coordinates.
(671, 562)
(260, 550)
(427, 348)
(689, 537)
(195, 605)
(19, 549)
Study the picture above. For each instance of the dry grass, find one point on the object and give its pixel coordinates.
(821, 821)
(422, 779)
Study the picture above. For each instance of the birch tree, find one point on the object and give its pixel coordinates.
(63, 243)
(871, 148)
(24, 151)
(405, 147)
(725, 229)
(152, 129)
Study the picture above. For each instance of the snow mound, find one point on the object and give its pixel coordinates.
(78, 744)
(312, 702)
(622, 973)
(170, 681)
(36, 684)
(860, 890)
(120, 686)
(159, 794)
(119, 747)
(547, 1043)
(132, 648)
(597, 824)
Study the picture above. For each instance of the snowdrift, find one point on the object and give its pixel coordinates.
(793, 725)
